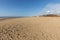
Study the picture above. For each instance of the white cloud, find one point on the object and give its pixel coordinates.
(53, 8)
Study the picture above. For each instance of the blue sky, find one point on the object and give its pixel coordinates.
(26, 7)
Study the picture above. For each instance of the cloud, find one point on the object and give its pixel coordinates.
(53, 8)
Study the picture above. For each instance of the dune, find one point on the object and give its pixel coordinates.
(33, 28)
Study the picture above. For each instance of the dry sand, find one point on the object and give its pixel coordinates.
(34, 28)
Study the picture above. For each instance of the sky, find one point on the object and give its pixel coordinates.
(28, 7)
